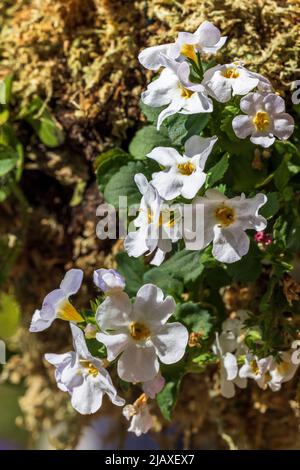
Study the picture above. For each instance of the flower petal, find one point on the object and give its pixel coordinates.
(230, 245)
(114, 312)
(115, 343)
(87, 397)
(151, 306)
(242, 126)
(283, 126)
(170, 342)
(71, 282)
(150, 57)
(138, 364)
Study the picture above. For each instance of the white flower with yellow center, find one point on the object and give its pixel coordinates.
(225, 222)
(207, 38)
(268, 372)
(233, 333)
(224, 81)
(264, 119)
(178, 94)
(157, 225)
(83, 376)
(229, 377)
(139, 333)
(139, 415)
(183, 174)
(57, 305)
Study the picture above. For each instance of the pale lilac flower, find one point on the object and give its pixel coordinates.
(109, 280)
(264, 119)
(83, 376)
(139, 333)
(183, 174)
(57, 305)
(138, 413)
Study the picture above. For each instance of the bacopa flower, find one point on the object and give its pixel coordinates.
(267, 372)
(228, 370)
(138, 413)
(158, 226)
(183, 174)
(83, 376)
(224, 81)
(57, 305)
(233, 333)
(207, 38)
(140, 334)
(225, 222)
(109, 280)
(264, 119)
(184, 98)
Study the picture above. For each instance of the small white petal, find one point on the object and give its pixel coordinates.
(114, 312)
(170, 342)
(115, 343)
(138, 364)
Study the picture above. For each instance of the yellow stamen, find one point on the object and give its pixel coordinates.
(92, 370)
(186, 168)
(185, 93)
(67, 312)
(254, 367)
(225, 215)
(231, 73)
(261, 120)
(139, 331)
(188, 51)
(141, 401)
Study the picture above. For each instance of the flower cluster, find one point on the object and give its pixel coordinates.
(203, 114)
(137, 336)
(188, 85)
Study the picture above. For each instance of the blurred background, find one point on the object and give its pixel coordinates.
(71, 90)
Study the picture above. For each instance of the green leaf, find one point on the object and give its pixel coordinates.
(4, 116)
(48, 129)
(108, 163)
(150, 112)
(145, 140)
(217, 172)
(6, 165)
(182, 126)
(122, 183)
(271, 207)
(229, 112)
(240, 174)
(9, 315)
(194, 317)
(281, 176)
(167, 397)
(248, 268)
(182, 267)
(133, 270)
(5, 89)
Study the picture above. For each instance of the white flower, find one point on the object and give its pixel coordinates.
(267, 372)
(207, 39)
(109, 280)
(138, 413)
(228, 371)
(154, 386)
(224, 81)
(179, 94)
(225, 222)
(264, 119)
(158, 226)
(57, 305)
(183, 174)
(233, 333)
(83, 376)
(139, 333)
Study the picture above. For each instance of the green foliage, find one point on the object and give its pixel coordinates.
(107, 164)
(9, 315)
(217, 172)
(6, 90)
(167, 397)
(182, 126)
(133, 271)
(145, 140)
(248, 268)
(271, 207)
(195, 318)
(43, 122)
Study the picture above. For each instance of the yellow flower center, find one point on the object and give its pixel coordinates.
(188, 51)
(261, 120)
(254, 367)
(231, 73)
(139, 331)
(163, 219)
(184, 92)
(92, 370)
(67, 312)
(225, 215)
(186, 169)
